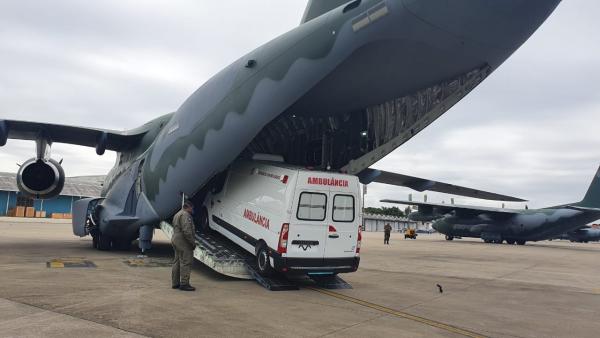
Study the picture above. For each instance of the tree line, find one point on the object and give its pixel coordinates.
(392, 211)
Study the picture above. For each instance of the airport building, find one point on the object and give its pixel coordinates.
(12, 203)
(372, 222)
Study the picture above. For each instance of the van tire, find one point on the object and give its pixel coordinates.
(263, 262)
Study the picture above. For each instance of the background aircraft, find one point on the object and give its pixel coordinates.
(345, 88)
(582, 235)
(513, 226)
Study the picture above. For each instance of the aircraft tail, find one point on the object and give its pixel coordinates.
(592, 197)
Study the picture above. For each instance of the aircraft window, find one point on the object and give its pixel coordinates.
(352, 6)
(312, 207)
(343, 208)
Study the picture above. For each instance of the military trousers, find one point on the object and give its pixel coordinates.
(182, 264)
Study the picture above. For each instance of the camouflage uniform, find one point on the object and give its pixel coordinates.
(387, 229)
(183, 243)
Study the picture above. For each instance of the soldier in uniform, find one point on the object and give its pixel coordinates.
(387, 229)
(183, 244)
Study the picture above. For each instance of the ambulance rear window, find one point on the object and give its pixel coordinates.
(343, 208)
(312, 206)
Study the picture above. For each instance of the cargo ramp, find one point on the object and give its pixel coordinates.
(225, 257)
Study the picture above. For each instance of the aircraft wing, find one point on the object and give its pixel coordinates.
(464, 209)
(420, 184)
(575, 207)
(55, 133)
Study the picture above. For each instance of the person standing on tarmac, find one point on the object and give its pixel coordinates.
(183, 244)
(387, 229)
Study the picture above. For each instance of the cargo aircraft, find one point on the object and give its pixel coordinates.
(354, 81)
(495, 225)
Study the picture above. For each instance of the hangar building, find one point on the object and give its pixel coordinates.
(373, 222)
(75, 188)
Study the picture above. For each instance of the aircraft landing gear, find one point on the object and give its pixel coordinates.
(521, 242)
(510, 241)
(449, 238)
(104, 242)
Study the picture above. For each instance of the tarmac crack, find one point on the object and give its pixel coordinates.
(75, 317)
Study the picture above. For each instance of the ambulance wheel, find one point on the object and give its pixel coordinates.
(103, 242)
(263, 262)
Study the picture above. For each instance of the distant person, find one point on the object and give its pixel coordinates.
(387, 230)
(183, 244)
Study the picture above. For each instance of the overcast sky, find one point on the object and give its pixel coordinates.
(530, 130)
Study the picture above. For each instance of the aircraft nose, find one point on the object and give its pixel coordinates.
(501, 23)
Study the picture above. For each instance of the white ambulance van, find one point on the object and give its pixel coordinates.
(294, 220)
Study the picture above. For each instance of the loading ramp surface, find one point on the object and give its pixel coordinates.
(225, 257)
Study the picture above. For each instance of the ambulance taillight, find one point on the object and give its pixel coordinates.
(359, 240)
(283, 238)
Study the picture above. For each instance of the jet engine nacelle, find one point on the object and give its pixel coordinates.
(41, 178)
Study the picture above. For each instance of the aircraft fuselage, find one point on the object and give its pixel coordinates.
(530, 225)
(332, 74)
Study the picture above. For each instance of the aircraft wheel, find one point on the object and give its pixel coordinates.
(204, 227)
(263, 262)
(95, 241)
(521, 242)
(510, 241)
(498, 241)
(121, 244)
(487, 241)
(104, 242)
(449, 238)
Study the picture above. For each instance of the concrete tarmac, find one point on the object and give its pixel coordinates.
(545, 289)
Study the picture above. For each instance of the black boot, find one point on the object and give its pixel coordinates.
(187, 287)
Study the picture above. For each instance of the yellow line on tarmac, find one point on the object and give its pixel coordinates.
(433, 323)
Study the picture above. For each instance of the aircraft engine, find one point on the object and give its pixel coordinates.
(41, 178)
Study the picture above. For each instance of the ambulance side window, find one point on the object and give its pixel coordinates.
(312, 206)
(343, 208)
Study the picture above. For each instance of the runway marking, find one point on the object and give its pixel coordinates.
(60, 263)
(405, 315)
